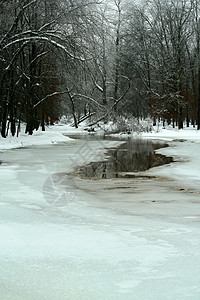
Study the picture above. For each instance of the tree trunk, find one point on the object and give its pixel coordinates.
(198, 111)
(73, 110)
(19, 126)
(29, 124)
(180, 118)
(4, 121)
(43, 122)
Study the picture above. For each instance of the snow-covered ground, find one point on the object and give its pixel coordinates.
(63, 237)
(52, 135)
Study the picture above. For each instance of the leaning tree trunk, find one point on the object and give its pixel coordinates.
(73, 109)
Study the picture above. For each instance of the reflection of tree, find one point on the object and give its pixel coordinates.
(130, 157)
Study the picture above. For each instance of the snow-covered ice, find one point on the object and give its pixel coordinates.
(63, 237)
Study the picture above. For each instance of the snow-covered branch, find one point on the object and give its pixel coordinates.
(16, 20)
(48, 96)
(90, 99)
(98, 87)
(42, 38)
(29, 4)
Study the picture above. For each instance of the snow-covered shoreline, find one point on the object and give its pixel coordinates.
(184, 147)
(58, 133)
(52, 135)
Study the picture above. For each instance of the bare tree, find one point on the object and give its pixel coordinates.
(38, 29)
(159, 34)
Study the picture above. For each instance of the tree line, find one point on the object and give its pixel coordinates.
(97, 60)
(165, 58)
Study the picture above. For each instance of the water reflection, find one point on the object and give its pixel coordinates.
(133, 156)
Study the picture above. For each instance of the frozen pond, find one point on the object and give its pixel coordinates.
(63, 237)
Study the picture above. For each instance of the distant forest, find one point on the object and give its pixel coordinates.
(97, 60)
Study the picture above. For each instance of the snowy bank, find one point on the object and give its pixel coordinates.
(52, 135)
(184, 148)
(172, 133)
(58, 133)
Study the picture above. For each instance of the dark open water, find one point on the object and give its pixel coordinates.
(133, 156)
